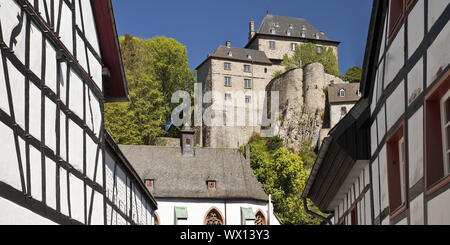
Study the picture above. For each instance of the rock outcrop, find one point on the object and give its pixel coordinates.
(303, 109)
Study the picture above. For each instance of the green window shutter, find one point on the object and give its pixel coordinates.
(247, 214)
(181, 213)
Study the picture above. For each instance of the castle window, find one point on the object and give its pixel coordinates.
(188, 142)
(230, 54)
(293, 46)
(303, 34)
(342, 93)
(272, 44)
(181, 216)
(249, 56)
(265, 70)
(227, 66)
(247, 68)
(227, 97)
(319, 49)
(248, 83)
(396, 169)
(227, 81)
(248, 99)
(343, 111)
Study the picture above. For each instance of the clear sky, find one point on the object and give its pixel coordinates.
(203, 25)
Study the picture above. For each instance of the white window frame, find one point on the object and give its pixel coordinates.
(445, 144)
(228, 82)
(247, 81)
(293, 46)
(342, 93)
(248, 99)
(270, 45)
(227, 66)
(249, 68)
(402, 165)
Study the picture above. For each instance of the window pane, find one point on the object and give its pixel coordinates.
(447, 133)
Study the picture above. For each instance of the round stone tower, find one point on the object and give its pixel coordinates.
(314, 75)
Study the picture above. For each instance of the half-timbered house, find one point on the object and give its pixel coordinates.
(387, 161)
(60, 62)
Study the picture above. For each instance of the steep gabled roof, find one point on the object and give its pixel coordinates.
(239, 54)
(282, 24)
(176, 176)
(351, 93)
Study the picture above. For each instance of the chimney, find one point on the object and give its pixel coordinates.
(228, 44)
(252, 30)
(187, 142)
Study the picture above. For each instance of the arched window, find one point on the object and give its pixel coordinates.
(260, 219)
(342, 93)
(214, 217)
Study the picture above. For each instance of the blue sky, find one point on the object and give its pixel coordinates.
(203, 25)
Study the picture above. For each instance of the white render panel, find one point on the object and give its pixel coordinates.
(50, 66)
(17, 83)
(96, 70)
(415, 144)
(9, 11)
(81, 52)
(78, 20)
(416, 22)
(66, 27)
(4, 104)
(415, 81)
(438, 57)
(383, 179)
(35, 50)
(374, 137)
(18, 45)
(13, 214)
(395, 105)
(9, 167)
(42, 10)
(376, 188)
(89, 25)
(93, 112)
(416, 212)
(381, 121)
(95, 206)
(63, 83)
(76, 198)
(50, 183)
(36, 173)
(63, 136)
(35, 111)
(395, 57)
(122, 192)
(403, 222)
(383, 41)
(76, 146)
(50, 124)
(368, 209)
(76, 94)
(438, 211)
(91, 164)
(435, 9)
(386, 221)
(64, 193)
(367, 176)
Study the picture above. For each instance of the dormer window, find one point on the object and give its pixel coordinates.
(358, 93)
(303, 34)
(291, 26)
(303, 28)
(342, 93)
(230, 54)
(249, 56)
(288, 33)
(149, 183)
(272, 31)
(317, 36)
(211, 185)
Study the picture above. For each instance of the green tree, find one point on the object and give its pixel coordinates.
(308, 53)
(353, 75)
(283, 176)
(155, 69)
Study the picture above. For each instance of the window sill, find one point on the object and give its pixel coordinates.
(438, 185)
(397, 212)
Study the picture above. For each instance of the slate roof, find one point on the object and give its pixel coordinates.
(176, 176)
(241, 54)
(282, 24)
(351, 93)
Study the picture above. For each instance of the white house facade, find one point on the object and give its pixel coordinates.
(60, 62)
(201, 186)
(391, 163)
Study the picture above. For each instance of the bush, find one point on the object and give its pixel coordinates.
(275, 143)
